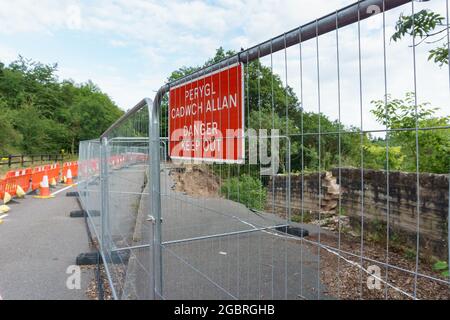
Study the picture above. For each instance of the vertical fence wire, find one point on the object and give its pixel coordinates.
(361, 149)
(272, 173)
(417, 150)
(388, 201)
(287, 180)
(209, 247)
(338, 70)
(319, 136)
(448, 51)
(259, 167)
(302, 208)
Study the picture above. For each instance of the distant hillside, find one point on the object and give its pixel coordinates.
(40, 114)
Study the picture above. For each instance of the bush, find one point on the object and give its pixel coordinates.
(246, 190)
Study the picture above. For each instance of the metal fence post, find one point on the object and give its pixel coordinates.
(104, 191)
(155, 191)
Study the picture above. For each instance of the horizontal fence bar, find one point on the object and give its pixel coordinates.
(142, 246)
(139, 106)
(226, 234)
(346, 16)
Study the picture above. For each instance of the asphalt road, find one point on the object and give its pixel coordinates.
(256, 265)
(38, 242)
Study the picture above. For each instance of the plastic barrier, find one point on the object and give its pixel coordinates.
(74, 169)
(32, 177)
(52, 171)
(66, 166)
(2, 188)
(73, 166)
(20, 178)
(37, 175)
(8, 185)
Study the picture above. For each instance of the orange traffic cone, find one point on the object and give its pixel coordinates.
(44, 189)
(69, 180)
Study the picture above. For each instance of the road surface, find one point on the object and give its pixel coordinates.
(38, 242)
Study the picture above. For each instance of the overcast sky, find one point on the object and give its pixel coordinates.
(129, 47)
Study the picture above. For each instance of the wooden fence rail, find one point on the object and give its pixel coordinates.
(9, 160)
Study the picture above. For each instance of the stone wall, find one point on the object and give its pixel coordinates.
(276, 198)
(373, 201)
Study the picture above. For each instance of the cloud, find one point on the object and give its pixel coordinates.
(7, 54)
(165, 35)
(118, 43)
(74, 19)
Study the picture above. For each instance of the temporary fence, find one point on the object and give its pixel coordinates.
(292, 222)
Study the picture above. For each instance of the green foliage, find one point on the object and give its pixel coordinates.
(419, 24)
(40, 114)
(442, 267)
(268, 99)
(307, 217)
(410, 254)
(439, 55)
(401, 113)
(434, 144)
(267, 119)
(8, 136)
(375, 157)
(246, 190)
(423, 25)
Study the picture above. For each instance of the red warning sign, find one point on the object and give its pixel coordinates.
(206, 117)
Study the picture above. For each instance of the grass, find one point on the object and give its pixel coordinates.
(307, 217)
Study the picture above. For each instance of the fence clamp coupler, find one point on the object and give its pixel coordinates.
(152, 219)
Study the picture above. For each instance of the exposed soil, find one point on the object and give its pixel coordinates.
(345, 279)
(92, 290)
(342, 272)
(196, 181)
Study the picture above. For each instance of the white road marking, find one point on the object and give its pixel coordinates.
(4, 216)
(63, 189)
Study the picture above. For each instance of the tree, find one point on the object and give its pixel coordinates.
(270, 103)
(402, 116)
(375, 157)
(9, 137)
(430, 28)
(263, 119)
(90, 114)
(38, 113)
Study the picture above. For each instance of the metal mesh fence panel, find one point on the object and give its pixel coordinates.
(353, 202)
